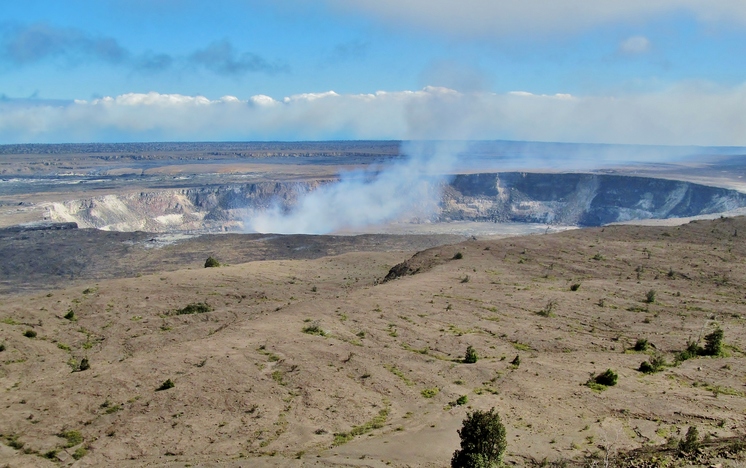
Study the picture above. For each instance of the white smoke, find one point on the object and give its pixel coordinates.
(407, 190)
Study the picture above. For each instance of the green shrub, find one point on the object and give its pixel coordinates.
(574, 287)
(2, 347)
(650, 296)
(607, 378)
(29, 334)
(70, 315)
(471, 355)
(692, 350)
(430, 392)
(211, 263)
(80, 452)
(194, 308)
(462, 400)
(641, 345)
(691, 442)
(714, 343)
(314, 329)
(73, 438)
(655, 364)
(458, 256)
(483, 441)
(165, 385)
(84, 365)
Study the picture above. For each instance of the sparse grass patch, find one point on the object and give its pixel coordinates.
(430, 392)
(80, 452)
(521, 346)
(314, 328)
(11, 440)
(399, 374)
(376, 423)
(548, 310)
(462, 400)
(73, 438)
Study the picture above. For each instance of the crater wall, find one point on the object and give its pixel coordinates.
(571, 199)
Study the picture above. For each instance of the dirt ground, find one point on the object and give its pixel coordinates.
(373, 381)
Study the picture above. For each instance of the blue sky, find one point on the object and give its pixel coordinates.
(664, 72)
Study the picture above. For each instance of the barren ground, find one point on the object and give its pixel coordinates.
(252, 389)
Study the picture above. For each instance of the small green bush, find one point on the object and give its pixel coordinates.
(574, 287)
(462, 400)
(650, 296)
(194, 308)
(211, 263)
(29, 334)
(692, 350)
(70, 315)
(691, 442)
(471, 355)
(314, 329)
(641, 345)
(84, 365)
(516, 361)
(166, 385)
(458, 256)
(607, 378)
(430, 392)
(655, 364)
(73, 438)
(2, 347)
(80, 452)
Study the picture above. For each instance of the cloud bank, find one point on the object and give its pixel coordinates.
(686, 114)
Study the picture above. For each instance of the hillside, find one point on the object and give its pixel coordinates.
(374, 378)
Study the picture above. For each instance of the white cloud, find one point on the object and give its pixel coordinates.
(689, 113)
(489, 18)
(635, 45)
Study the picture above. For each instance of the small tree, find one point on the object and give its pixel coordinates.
(714, 343)
(691, 442)
(211, 263)
(650, 296)
(471, 355)
(482, 441)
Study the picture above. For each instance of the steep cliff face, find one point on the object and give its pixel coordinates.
(579, 199)
(565, 199)
(210, 209)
